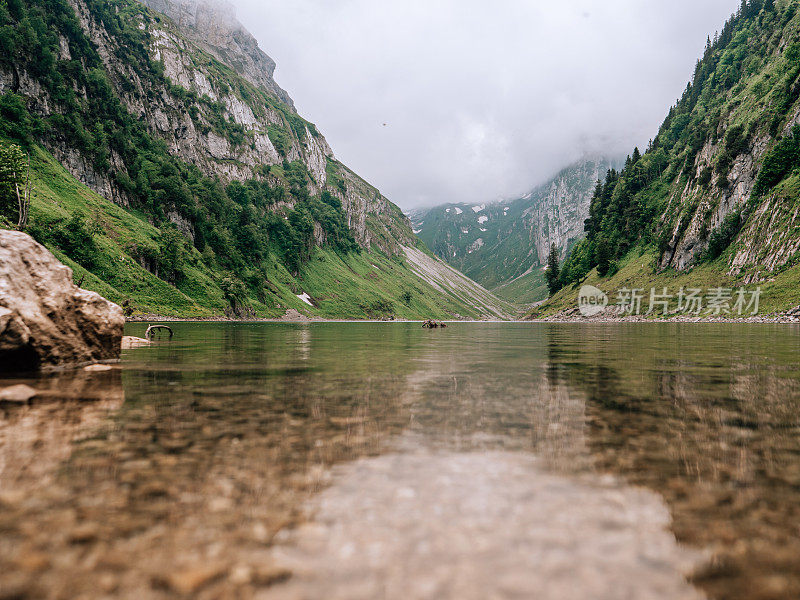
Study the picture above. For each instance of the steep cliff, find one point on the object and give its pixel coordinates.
(175, 117)
(504, 246)
(718, 184)
(213, 26)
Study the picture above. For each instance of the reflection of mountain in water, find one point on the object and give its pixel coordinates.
(713, 431)
(230, 431)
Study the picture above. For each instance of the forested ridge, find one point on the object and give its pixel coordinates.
(735, 114)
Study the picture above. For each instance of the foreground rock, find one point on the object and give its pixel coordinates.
(45, 319)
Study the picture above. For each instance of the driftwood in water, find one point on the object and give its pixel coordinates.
(153, 328)
(429, 324)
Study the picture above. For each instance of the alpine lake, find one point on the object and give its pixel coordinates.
(386, 461)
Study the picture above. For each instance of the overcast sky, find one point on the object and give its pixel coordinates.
(482, 100)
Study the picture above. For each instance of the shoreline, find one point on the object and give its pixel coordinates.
(783, 319)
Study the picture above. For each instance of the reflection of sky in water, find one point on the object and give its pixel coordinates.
(235, 433)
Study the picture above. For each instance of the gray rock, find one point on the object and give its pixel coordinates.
(214, 27)
(45, 319)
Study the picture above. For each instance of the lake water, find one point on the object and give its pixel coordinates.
(381, 460)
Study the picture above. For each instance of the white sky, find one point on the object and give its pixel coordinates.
(481, 100)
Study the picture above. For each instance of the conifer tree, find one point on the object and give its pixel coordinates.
(603, 256)
(553, 271)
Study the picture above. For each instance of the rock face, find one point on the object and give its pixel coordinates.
(45, 319)
(213, 26)
(767, 242)
(558, 209)
(189, 38)
(499, 242)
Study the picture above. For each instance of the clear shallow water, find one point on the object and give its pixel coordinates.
(342, 460)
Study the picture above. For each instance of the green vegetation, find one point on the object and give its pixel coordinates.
(553, 271)
(15, 185)
(780, 162)
(744, 88)
(525, 289)
(639, 270)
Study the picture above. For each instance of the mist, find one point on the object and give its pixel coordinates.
(459, 100)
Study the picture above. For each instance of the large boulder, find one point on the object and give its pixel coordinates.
(45, 319)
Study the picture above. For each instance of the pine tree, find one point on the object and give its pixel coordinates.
(603, 257)
(553, 271)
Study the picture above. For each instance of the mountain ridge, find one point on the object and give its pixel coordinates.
(502, 242)
(175, 135)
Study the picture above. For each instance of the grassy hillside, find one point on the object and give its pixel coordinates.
(526, 289)
(103, 243)
(639, 270)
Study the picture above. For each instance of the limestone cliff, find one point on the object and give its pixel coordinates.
(558, 209)
(216, 106)
(498, 242)
(213, 26)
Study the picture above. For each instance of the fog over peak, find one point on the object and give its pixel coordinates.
(460, 100)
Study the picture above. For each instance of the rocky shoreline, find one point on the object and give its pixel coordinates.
(573, 315)
(566, 316)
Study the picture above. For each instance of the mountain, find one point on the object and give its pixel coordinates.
(717, 193)
(171, 171)
(504, 246)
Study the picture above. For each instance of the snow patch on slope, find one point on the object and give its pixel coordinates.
(305, 298)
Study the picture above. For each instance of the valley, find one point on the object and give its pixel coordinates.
(504, 245)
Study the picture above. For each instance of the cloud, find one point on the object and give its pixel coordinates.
(462, 100)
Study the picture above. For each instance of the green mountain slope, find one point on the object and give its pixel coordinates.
(504, 246)
(718, 186)
(102, 247)
(169, 169)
